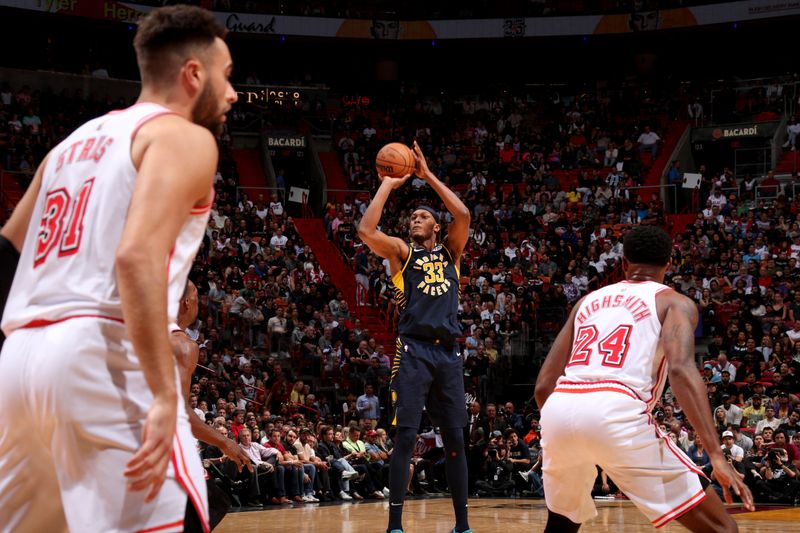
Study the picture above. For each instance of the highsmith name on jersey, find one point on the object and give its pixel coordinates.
(617, 340)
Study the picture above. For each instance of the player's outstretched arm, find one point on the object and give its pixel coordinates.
(677, 338)
(176, 162)
(553, 367)
(391, 248)
(458, 230)
(186, 352)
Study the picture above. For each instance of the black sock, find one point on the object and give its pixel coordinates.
(398, 474)
(456, 469)
(557, 523)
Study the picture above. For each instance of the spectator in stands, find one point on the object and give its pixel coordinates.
(754, 413)
(357, 455)
(297, 450)
(792, 425)
(780, 483)
(368, 406)
(737, 453)
(792, 129)
(293, 467)
(648, 142)
(269, 474)
(329, 451)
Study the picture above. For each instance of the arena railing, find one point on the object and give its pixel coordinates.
(667, 193)
(253, 192)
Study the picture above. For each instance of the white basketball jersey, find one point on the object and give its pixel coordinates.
(67, 264)
(617, 340)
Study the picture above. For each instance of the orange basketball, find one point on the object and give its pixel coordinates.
(395, 160)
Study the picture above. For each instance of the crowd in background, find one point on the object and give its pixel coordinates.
(287, 368)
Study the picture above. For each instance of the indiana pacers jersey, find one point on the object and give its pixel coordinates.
(427, 292)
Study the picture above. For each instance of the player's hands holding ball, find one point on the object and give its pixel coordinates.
(395, 163)
(422, 169)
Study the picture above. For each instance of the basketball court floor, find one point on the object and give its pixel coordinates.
(435, 515)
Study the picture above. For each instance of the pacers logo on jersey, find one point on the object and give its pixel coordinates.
(432, 265)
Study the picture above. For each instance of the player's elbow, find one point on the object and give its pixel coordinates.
(681, 374)
(363, 231)
(462, 213)
(128, 261)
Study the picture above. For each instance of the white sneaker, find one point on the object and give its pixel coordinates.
(311, 498)
(349, 474)
(306, 499)
(386, 491)
(378, 495)
(343, 495)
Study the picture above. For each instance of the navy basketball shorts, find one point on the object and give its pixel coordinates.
(431, 376)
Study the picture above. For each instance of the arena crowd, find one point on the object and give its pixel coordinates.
(288, 370)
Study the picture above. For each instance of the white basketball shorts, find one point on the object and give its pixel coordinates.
(607, 425)
(73, 403)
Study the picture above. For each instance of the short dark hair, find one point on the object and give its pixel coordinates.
(166, 36)
(647, 245)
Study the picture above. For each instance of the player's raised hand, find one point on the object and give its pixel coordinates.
(147, 469)
(422, 165)
(727, 476)
(396, 183)
(235, 453)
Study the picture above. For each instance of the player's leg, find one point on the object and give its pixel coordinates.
(568, 467)
(557, 523)
(29, 495)
(650, 460)
(411, 380)
(709, 516)
(447, 409)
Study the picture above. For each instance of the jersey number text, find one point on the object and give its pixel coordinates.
(56, 227)
(613, 347)
(434, 272)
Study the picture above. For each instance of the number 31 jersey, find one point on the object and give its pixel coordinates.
(617, 341)
(67, 263)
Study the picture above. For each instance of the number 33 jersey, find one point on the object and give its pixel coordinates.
(617, 341)
(67, 264)
(427, 291)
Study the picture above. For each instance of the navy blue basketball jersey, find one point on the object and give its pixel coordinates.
(427, 292)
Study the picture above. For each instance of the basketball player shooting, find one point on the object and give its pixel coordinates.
(604, 373)
(105, 443)
(427, 370)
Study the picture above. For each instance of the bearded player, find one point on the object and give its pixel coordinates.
(107, 233)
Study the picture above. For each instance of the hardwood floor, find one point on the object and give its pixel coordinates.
(486, 515)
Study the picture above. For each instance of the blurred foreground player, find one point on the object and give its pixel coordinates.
(604, 373)
(186, 354)
(93, 431)
(427, 370)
